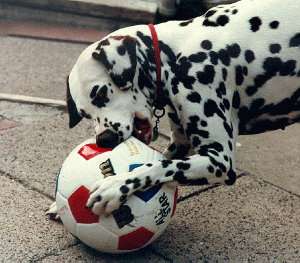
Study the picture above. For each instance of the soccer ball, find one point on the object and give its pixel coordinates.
(137, 223)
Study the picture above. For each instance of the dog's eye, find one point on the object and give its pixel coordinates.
(84, 114)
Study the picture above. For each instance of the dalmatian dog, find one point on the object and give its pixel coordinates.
(235, 70)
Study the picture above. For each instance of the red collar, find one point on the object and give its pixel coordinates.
(158, 100)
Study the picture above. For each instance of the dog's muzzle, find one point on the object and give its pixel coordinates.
(107, 139)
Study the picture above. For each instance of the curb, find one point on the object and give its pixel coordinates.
(134, 11)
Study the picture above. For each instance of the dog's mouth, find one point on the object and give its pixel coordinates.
(142, 129)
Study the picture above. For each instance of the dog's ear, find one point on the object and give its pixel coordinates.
(118, 55)
(74, 116)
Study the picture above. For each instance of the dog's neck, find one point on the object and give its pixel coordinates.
(146, 69)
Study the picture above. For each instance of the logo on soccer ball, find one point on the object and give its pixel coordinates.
(106, 168)
(123, 216)
(89, 151)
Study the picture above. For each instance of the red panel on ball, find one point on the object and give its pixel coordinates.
(89, 151)
(77, 202)
(135, 239)
(175, 202)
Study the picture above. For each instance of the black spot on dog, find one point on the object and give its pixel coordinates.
(213, 57)
(239, 77)
(275, 48)
(215, 146)
(183, 166)
(230, 145)
(295, 41)
(180, 71)
(234, 50)
(210, 13)
(249, 56)
(124, 189)
(203, 123)
(116, 126)
(207, 76)
(218, 164)
(228, 129)
(245, 70)
(136, 183)
(206, 44)
(224, 74)
(224, 57)
(121, 50)
(179, 177)
(221, 90)
(100, 99)
(226, 103)
(274, 24)
(185, 23)
(211, 108)
(169, 173)
(194, 97)
(84, 114)
(255, 23)
(236, 101)
(94, 91)
(198, 57)
(222, 20)
(196, 141)
(211, 169)
(148, 182)
(192, 128)
(219, 173)
(207, 22)
(166, 163)
(231, 177)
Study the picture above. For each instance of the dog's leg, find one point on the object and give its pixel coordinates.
(213, 164)
(179, 145)
(52, 212)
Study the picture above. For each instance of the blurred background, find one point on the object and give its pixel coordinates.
(32, 17)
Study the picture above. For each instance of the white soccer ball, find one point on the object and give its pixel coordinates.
(137, 223)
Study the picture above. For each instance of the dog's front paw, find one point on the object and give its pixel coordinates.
(52, 212)
(107, 195)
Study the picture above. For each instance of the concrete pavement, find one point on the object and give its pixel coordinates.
(256, 220)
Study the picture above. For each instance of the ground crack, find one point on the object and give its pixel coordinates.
(25, 184)
(54, 252)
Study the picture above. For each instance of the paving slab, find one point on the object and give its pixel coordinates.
(81, 253)
(39, 70)
(34, 150)
(25, 231)
(28, 236)
(273, 156)
(248, 222)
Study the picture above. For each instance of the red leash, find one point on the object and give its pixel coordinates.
(156, 56)
(159, 110)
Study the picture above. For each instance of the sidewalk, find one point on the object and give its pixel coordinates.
(256, 220)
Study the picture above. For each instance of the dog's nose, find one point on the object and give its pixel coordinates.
(107, 139)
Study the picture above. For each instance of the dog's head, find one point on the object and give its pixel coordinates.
(102, 86)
